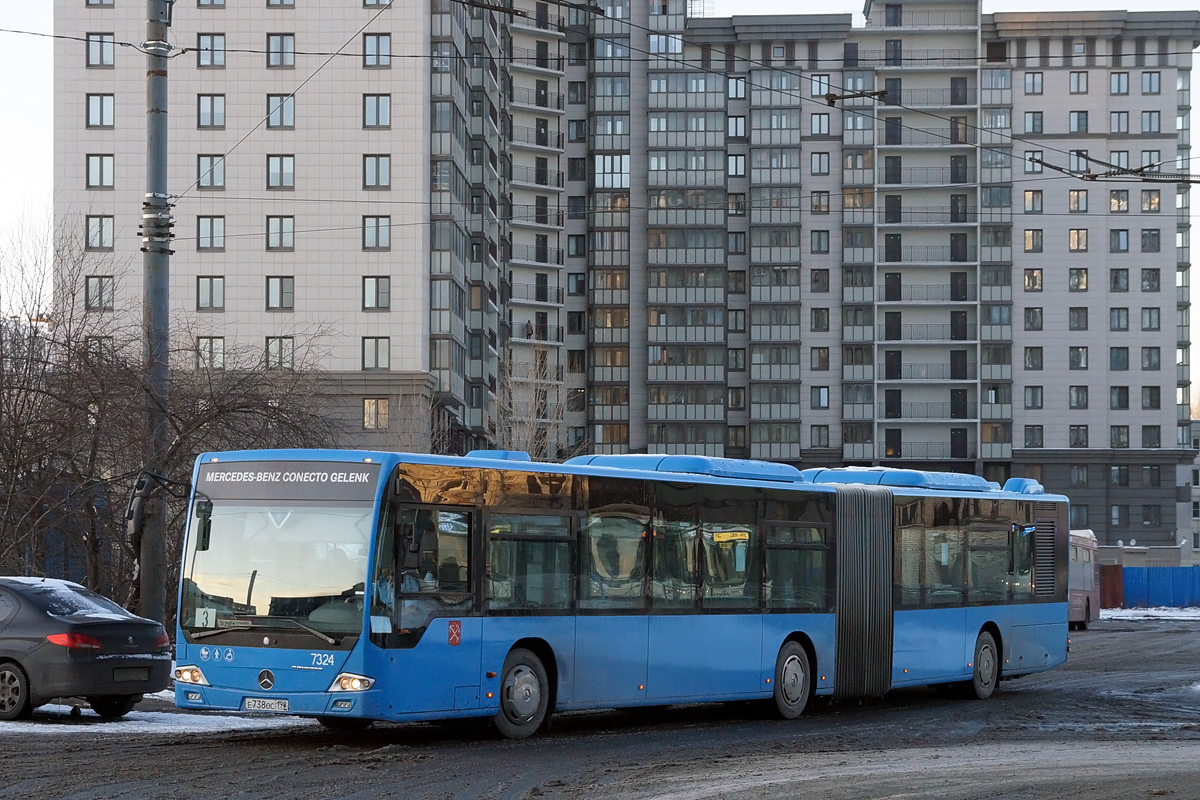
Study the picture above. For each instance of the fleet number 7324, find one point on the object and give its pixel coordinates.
(322, 659)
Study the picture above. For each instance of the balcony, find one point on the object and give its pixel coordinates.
(937, 371)
(529, 371)
(538, 137)
(536, 333)
(911, 177)
(524, 57)
(532, 176)
(930, 215)
(933, 332)
(938, 98)
(536, 293)
(535, 254)
(929, 59)
(928, 254)
(525, 96)
(925, 451)
(684, 411)
(934, 293)
(937, 137)
(928, 411)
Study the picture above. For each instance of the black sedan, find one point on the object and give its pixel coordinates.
(60, 640)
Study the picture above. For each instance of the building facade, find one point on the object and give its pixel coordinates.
(784, 237)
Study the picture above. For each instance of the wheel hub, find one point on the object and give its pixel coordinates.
(791, 680)
(522, 694)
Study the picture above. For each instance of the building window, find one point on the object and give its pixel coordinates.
(100, 50)
(376, 352)
(1118, 398)
(210, 293)
(819, 396)
(281, 172)
(1033, 318)
(1079, 475)
(281, 111)
(100, 171)
(101, 110)
(1118, 516)
(1151, 83)
(1077, 397)
(1151, 319)
(1033, 279)
(99, 233)
(281, 233)
(1151, 359)
(1151, 397)
(1077, 121)
(1151, 436)
(210, 111)
(819, 319)
(1034, 436)
(210, 50)
(1118, 280)
(377, 293)
(1077, 357)
(281, 3)
(377, 172)
(281, 293)
(1151, 122)
(1034, 397)
(210, 352)
(1033, 240)
(1118, 201)
(279, 352)
(99, 292)
(819, 163)
(1077, 201)
(210, 171)
(1118, 83)
(1118, 241)
(1077, 279)
(377, 233)
(820, 202)
(1033, 83)
(1078, 516)
(375, 413)
(1118, 122)
(281, 50)
(736, 88)
(819, 436)
(1118, 436)
(819, 241)
(1150, 201)
(736, 166)
(819, 280)
(1078, 83)
(1033, 122)
(1033, 201)
(1077, 240)
(1118, 319)
(1118, 359)
(377, 50)
(1033, 162)
(1151, 241)
(210, 233)
(819, 124)
(1033, 358)
(1077, 318)
(819, 358)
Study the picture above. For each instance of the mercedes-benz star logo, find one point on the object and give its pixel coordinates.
(266, 679)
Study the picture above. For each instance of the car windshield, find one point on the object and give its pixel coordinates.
(267, 565)
(65, 600)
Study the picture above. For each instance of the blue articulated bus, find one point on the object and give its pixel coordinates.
(354, 586)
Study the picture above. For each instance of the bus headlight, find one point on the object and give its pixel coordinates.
(349, 682)
(192, 675)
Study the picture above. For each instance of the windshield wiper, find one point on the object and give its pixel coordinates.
(251, 625)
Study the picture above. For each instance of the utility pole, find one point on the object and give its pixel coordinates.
(156, 244)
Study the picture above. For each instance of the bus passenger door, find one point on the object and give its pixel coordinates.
(436, 642)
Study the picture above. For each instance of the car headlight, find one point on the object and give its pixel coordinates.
(349, 682)
(191, 675)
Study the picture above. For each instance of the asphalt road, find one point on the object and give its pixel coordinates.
(1120, 720)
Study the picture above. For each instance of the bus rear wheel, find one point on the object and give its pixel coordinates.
(985, 672)
(792, 680)
(524, 695)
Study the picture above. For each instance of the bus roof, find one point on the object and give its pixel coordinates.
(705, 469)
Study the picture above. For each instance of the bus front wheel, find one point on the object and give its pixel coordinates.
(792, 680)
(524, 695)
(985, 672)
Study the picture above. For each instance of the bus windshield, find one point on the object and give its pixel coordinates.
(294, 563)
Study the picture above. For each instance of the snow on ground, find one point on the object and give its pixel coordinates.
(57, 720)
(1150, 613)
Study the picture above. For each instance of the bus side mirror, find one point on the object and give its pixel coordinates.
(204, 509)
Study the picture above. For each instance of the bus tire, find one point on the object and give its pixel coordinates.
(524, 695)
(1087, 616)
(985, 670)
(793, 680)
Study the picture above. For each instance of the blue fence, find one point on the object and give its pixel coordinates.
(1172, 587)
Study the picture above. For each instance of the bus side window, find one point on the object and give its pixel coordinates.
(1022, 564)
(614, 556)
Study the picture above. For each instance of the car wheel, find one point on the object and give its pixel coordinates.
(524, 695)
(792, 680)
(113, 706)
(14, 693)
(345, 724)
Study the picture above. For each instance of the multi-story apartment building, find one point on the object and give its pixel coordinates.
(780, 237)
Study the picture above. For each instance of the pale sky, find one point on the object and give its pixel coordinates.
(26, 87)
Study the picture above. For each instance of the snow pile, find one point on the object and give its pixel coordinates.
(1150, 613)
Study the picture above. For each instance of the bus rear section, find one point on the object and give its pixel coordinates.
(1083, 580)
